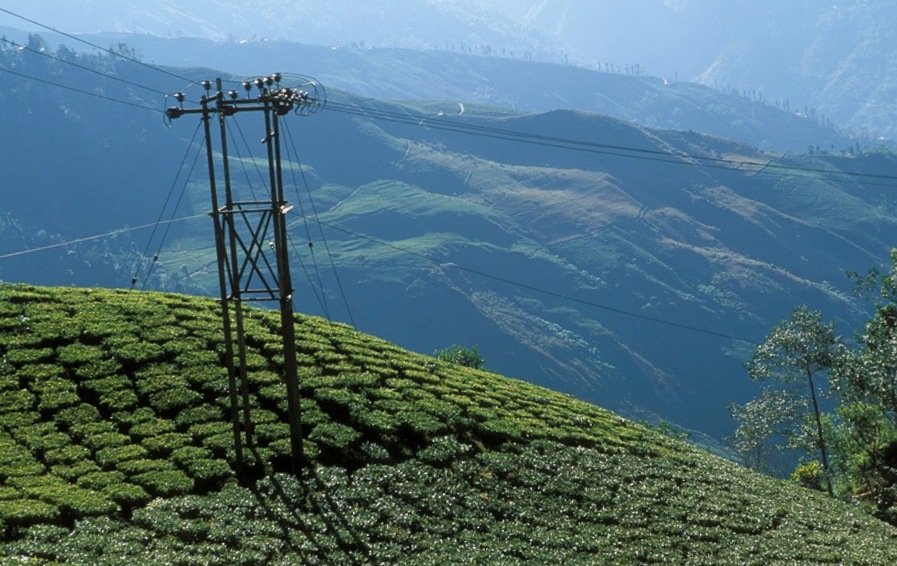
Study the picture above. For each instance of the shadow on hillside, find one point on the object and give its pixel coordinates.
(315, 501)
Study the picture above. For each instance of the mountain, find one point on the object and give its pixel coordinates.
(627, 266)
(828, 61)
(821, 58)
(488, 78)
(115, 447)
(415, 24)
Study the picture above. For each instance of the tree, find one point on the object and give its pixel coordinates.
(866, 381)
(762, 422)
(800, 351)
(469, 357)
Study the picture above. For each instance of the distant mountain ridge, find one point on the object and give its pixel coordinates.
(816, 58)
(501, 81)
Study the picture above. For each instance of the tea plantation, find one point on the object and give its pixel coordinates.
(115, 447)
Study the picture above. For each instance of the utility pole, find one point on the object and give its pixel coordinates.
(246, 232)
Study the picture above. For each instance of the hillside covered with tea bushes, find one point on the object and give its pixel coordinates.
(115, 447)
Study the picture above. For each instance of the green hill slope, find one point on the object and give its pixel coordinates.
(115, 447)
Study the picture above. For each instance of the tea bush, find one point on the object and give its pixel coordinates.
(116, 446)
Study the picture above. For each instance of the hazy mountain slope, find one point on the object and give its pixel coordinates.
(424, 24)
(115, 447)
(802, 56)
(815, 57)
(489, 224)
(822, 57)
(504, 81)
(562, 265)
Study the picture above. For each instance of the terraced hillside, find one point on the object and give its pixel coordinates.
(115, 447)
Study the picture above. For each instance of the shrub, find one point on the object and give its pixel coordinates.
(77, 354)
(187, 453)
(113, 456)
(164, 444)
(106, 384)
(28, 355)
(26, 511)
(11, 400)
(105, 440)
(66, 496)
(143, 465)
(98, 369)
(89, 429)
(126, 494)
(463, 356)
(55, 394)
(443, 451)
(71, 472)
(77, 415)
(99, 480)
(198, 414)
(48, 441)
(809, 475)
(66, 454)
(139, 415)
(17, 419)
(335, 435)
(165, 483)
(174, 398)
(208, 469)
(119, 400)
(17, 461)
(152, 427)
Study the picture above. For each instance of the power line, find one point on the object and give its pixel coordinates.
(95, 46)
(174, 211)
(82, 67)
(663, 156)
(149, 240)
(559, 142)
(96, 237)
(540, 290)
(314, 209)
(320, 298)
(80, 91)
(679, 158)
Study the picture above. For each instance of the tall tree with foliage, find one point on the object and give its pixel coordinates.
(762, 420)
(797, 355)
(866, 381)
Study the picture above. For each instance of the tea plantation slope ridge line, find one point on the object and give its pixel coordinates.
(115, 447)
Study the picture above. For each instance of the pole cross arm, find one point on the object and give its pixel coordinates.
(270, 96)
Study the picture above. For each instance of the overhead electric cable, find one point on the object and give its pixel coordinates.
(322, 303)
(429, 121)
(533, 288)
(174, 211)
(135, 268)
(94, 237)
(309, 240)
(99, 47)
(558, 142)
(82, 67)
(80, 91)
(314, 208)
